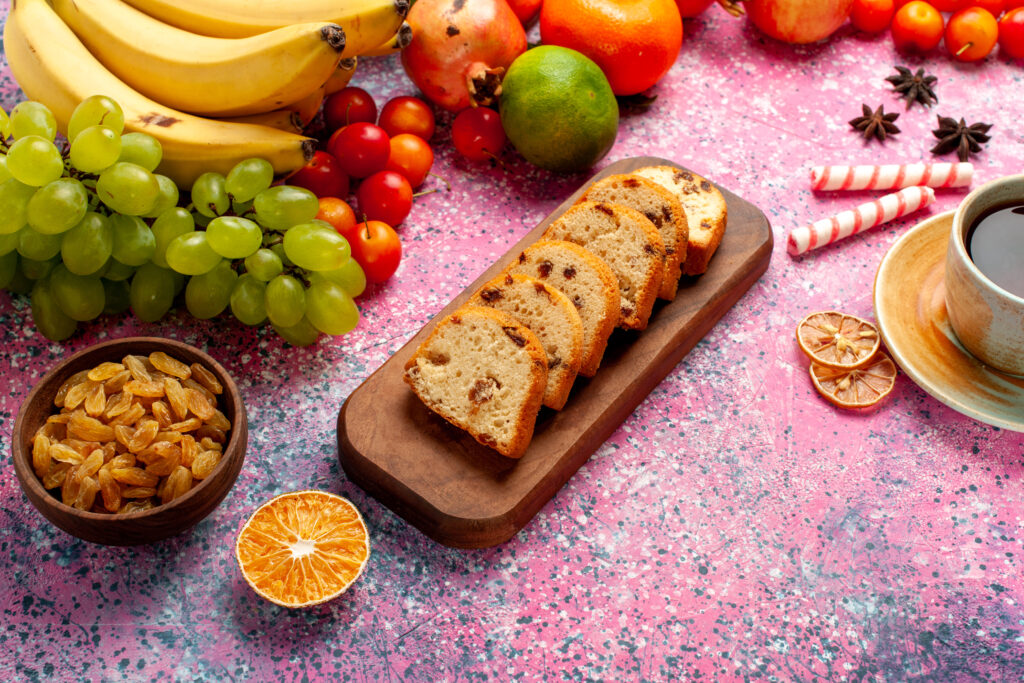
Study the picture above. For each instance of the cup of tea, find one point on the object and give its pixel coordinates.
(985, 274)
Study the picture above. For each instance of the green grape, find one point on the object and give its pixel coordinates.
(279, 250)
(264, 265)
(283, 206)
(168, 225)
(117, 296)
(315, 248)
(179, 282)
(34, 161)
(285, 301)
(4, 173)
(58, 206)
(330, 309)
(208, 294)
(96, 110)
(8, 243)
(95, 148)
(37, 246)
(128, 188)
(349, 277)
(248, 178)
(117, 271)
(80, 297)
(141, 149)
(5, 125)
(9, 266)
(33, 118)
(87, 247)
(134, 243)
(152, 292)
(168, 197)
(21, 284)
(209, 196)
(49, 319)
(301, 334)
(247, 300)
(14, 199)
(242, 208)
(37, 270)
(190, 254)
(234, 237)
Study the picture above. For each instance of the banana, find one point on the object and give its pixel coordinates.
(308, 107)
(53, 67)
(367, 23)
(282, 119)
(203, 75)
(341, 76)
(395, 43)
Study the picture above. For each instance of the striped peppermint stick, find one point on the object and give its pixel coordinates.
(891, 176)
(865, 216)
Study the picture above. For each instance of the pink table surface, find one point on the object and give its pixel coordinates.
(736, 526)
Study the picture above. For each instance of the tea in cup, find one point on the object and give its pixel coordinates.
(985, 274)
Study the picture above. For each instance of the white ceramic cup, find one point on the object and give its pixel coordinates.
(987, 319)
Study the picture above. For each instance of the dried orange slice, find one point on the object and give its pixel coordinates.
(303, 548)
(837, 340)
(857, 388)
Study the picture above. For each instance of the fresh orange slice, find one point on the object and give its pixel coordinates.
(857, 388)
(303, 548)
(837, 340)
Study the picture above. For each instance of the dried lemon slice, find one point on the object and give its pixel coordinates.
(837, 340)
(303, 548)
(858, 387)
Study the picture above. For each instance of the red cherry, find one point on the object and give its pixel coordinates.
(412, 157)
(477, 133)
(362, 149)
(322, 175)
(347, 106)
(407, 115)
(385, 196)
(377, 248)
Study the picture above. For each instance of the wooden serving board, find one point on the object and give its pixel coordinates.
(466, 495)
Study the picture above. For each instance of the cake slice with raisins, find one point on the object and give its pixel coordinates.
(551, 316)
(705, 209)
(630, 245)
(485, 372)
(588, 282)
(661, 207)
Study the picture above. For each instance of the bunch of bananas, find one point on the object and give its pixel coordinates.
(250, 75)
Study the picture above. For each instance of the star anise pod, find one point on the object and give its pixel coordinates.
(914, 87)
(876, 123)
(957, 135)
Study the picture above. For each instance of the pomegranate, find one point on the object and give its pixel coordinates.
(460, 50)
(794, 21)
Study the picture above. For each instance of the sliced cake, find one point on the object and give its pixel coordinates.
(551, 316)
(705, 210)
(588, 282)
(630, 245)
(661, 207)
(484, 372)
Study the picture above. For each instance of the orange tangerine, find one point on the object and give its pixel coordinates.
(303, 548)
(837, 340)
(858, 387)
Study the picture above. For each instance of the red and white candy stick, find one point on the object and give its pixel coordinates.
(865, 216)
(891, 176)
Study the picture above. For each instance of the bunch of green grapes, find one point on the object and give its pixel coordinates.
(91, 229)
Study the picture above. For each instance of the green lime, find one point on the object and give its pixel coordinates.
(558, 109)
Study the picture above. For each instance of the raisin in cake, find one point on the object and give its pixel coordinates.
(661, 207)
(484, 372)
(551, 316)
(630, 245)
(588, 282)
(705, 211)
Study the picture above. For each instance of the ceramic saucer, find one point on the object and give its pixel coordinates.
(911, 311)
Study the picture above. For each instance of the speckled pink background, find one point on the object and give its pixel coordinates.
(736, 526)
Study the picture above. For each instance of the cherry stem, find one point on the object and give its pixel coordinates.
(965, 48)
(500, 162)
(442, 179)
(426, 192)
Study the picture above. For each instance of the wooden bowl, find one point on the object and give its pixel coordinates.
(146, 526)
